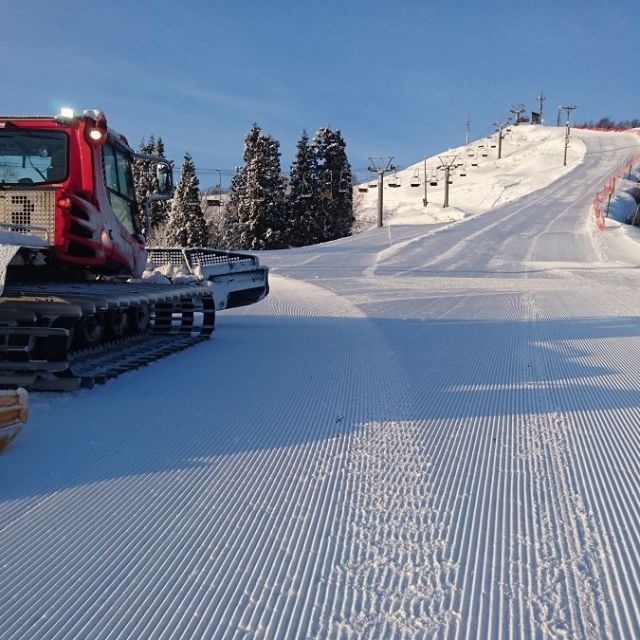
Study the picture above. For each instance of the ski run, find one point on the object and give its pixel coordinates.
(429, 430)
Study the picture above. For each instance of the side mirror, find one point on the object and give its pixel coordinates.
(164, 179)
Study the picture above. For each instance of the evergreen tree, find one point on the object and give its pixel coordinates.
(303, 197)
(144, 179)
(333, 217)
(162, 208)
(255, 216)
(146, 183)
(186, 222)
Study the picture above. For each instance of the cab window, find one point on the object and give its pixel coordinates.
(118, 178)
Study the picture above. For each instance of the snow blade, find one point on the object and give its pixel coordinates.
(13, 414)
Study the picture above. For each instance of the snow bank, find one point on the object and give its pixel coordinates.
(623, 205)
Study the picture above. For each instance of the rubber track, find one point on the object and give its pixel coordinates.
(181, 316)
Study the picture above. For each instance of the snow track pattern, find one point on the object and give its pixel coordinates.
(437, 441)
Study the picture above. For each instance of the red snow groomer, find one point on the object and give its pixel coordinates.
(75, 307)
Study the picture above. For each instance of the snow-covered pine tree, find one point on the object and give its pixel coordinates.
(255, 217)
(187, 225)
(303, 196)
(144, 178)
(334, 217)
(162, 208)
(231, 229)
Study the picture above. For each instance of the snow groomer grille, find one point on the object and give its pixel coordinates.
(28, 211)
(194, 258)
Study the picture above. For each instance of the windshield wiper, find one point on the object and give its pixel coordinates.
(28, 157)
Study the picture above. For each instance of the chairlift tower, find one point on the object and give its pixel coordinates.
(468, 130)
(541, 98)
(219, 172)
(517, 110)
(425, 202)
(499, 127)
(446, 164)
(380, 165)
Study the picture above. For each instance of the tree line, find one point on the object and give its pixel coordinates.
(608, 123)
(264, 209)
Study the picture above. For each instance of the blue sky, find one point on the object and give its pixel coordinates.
(396, 78)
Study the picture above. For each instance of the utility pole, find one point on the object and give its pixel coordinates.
(446, 164)
(499, 127)
(379, 165)
(219, 172)
(468, 130)
(568, 108)
(425, 202)
(541, 99)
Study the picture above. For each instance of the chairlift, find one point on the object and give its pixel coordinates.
(363, 188)
(484, 154)
(463, 171)
(395, 181)
(415, 179)
(306, 191)
(328, 182)
(344, 186)
(433, 181)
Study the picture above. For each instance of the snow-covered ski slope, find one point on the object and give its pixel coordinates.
(438, 438)
(531, 158)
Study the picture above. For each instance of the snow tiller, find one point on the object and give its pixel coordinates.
(80, 301)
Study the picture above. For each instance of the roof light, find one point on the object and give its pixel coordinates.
(67, 113)
(96, 131)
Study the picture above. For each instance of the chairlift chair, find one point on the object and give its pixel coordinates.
(363, 188)
(415, 179)
(328, 183)
(395, 181)
(344, 185)
(306, 191)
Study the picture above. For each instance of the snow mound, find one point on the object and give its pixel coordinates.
(167, 273)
